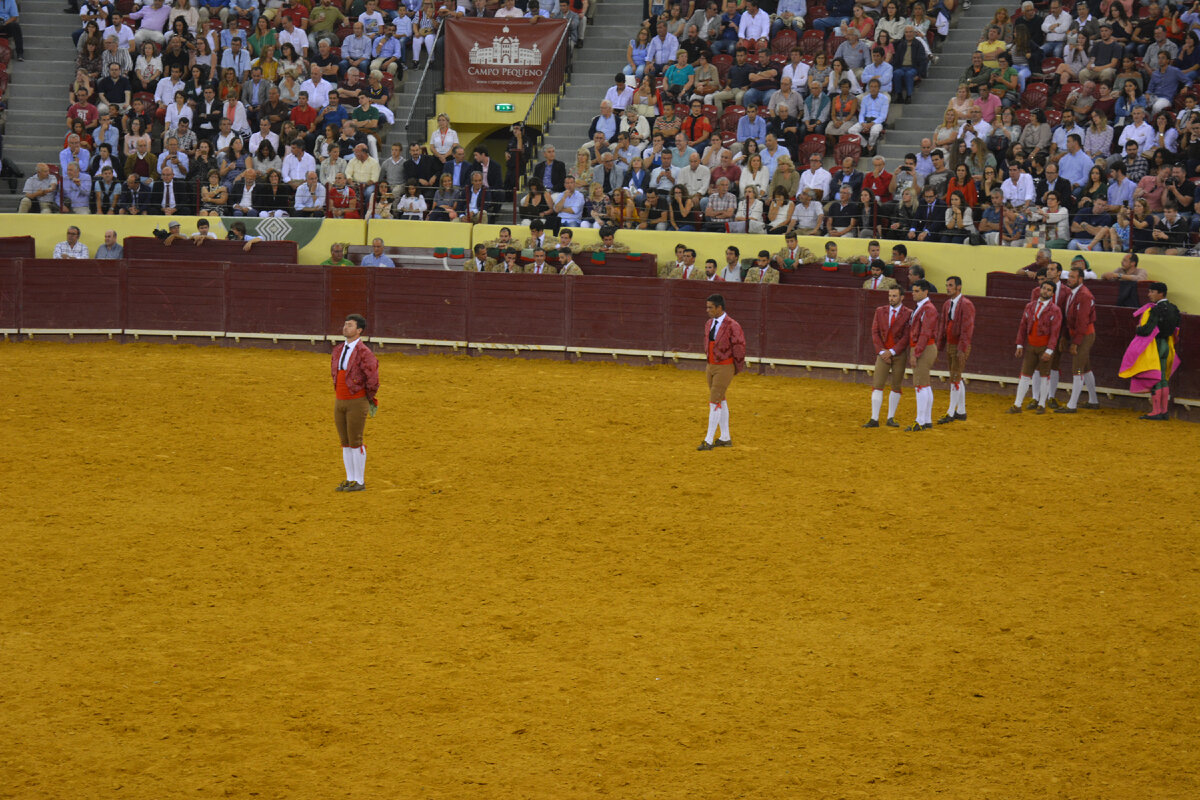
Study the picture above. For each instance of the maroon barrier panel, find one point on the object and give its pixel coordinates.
(420, 304)
(269, 298)
(72, 294)
(175, 297)
(10, 293)
(350, 291)
(518, 309)
(1004, 284)
(17, 247)
(619, 264)
(147, 248)
(813, 275)
(795, 322)
(621, 313)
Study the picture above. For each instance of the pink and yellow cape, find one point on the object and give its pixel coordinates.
(1140, 363)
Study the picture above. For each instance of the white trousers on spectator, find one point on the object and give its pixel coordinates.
(857, 130)
(144, 35)
(279, 213)
(417, 41)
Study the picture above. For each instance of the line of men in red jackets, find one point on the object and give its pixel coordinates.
(1060, 316)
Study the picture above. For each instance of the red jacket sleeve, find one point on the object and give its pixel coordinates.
(926, 329)
(370, 368)
(967, 322)
(1022, 338)
(877, 332)
(333, 362)
(1084, 316)
(1056, 323)
(943, 326)
(737, 342)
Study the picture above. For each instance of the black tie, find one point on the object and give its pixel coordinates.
(712, 332)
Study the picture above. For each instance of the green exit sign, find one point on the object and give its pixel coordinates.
(504, 106)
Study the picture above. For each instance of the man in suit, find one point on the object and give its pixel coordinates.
(762, 271)
(609, 173)
(725, 351)
(241, 196)
(878, 280)
(172, 196)
(792, 255)
(608, 241)
(551, 172)
(493, 177)
(1041, 324)
(566, 264)
(1079, 333)
(922, 352)
(956, 327)
(479, 261)
(424, 170)
(475, 201)
(208, 115)
(458, 168)
(931, 218)
(889, 335)
(539, 265)
(688, 269)
(537, 236)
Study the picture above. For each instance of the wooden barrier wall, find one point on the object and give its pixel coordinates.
(784, 324)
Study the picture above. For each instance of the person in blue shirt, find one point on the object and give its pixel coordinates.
(872, 114)
(839, 11)
(377, 258)
(1165, 83)
(10, 23)
(752, 126)
(1075, 164)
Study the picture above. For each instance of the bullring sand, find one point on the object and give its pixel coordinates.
(546, 592)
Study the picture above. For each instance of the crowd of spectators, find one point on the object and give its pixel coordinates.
(709, 123)
(1073, 127)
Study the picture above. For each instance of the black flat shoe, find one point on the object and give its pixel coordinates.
(946, 420)
(341, 487)
(354, 486)
(1066, 410)
(705, 446)
(1093, 406)
(891, 423)
(1014, 410)
(914, 428)
(871, 423)
(723, 443)
(961, 417)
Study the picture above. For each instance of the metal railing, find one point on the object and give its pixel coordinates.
(543, 107)
(415, 126)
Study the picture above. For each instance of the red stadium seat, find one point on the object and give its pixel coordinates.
(1053, 117)
(1050, 63)
(783, 42)
(848, 145)
(832, 44)
(1035, 95)
(813, 143)
(812, 42)
(723, 62)
(1024, 116)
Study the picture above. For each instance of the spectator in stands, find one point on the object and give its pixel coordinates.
(73, 153)
(242, 194)
(273, 197)
(844, 215)
(872, 115)
(764, 79)
(1018, 190)
(323, 20)
(991, 223)
(377, 258)
(173, 196)
(1090, 226)
(72, 247)
(789, 14)
(839, 11)
(879, 70)
(1128, 271)
(637, 53)
(111, 250)
(931, 218)
(107, 191)
(135, 197)
(152, 21)
(76, 190)
(605, 122)
(310, 197)
(1105, 57)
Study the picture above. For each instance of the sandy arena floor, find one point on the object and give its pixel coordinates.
(547, 593)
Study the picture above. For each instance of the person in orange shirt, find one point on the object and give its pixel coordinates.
(1041, 324)
(725, 351)
(355, 372)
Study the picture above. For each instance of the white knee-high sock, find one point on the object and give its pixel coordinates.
(1089, 381)
(348, 462)
(724, 421)
(1037, 388)
(1076, 390)
(360, 463)
(953, 399)
(1022, 388)
(714, 418)
(1054, 377)
(927, 411)
(876, 403)
(962, 398)
(893, 404)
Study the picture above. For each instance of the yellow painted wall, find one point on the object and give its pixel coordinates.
(346, 231)
(474, 117)
(405, 233)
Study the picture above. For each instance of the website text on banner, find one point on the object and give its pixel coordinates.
(499, 55)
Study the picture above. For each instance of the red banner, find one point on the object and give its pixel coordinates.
(500, 55)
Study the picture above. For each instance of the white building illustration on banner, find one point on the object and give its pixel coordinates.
(506, 51)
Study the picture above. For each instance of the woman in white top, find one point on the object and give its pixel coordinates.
(842, 70)
(892, 21)
(136, 134)
(1058, 231)
(411, 204)
(182, 8)
(959, 220)
(749, 215)
(148, 68)
(175, 112)
(443, 140)
(756, 175)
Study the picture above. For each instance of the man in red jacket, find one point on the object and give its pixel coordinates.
(1054, 274)
(725, 348)
(889, 334)
(1079, 329)
(355, 372)
(1041, 325)
(956, 326)
(922, 352)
